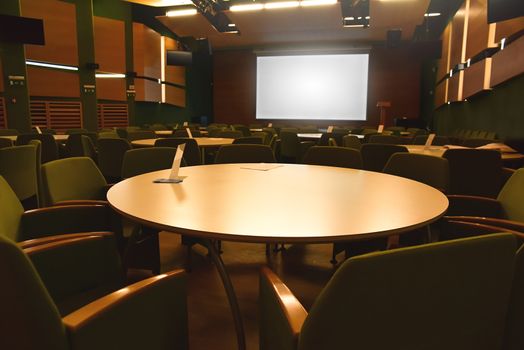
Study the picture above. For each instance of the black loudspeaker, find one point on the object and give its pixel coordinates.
(393, 37)
(23, 30)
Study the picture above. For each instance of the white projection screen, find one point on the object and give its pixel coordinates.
(330, 87)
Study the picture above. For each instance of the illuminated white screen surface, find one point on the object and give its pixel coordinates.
(332, 87)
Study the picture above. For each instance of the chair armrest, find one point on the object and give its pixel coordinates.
(150, 314)
(281, 314)
(453, 227)
(80, 202)
(55, 220)
(474, 206)
(35, 242)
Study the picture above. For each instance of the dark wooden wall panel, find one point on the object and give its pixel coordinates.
(146, 57)
(111, 89)
(443, 64)
(478, 28)
(59, 28)
(474, 78)
(1, 77)
(394, 75)
(457, 36)
(440, 94)
(52, 83)
(508, 63)
(506, 28)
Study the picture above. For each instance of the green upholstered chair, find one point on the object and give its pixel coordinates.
(265, 136)
(376, 155)
(249, 140)
(505, 211)
(108, 135)
(514, 337)
(5, 143)
(244, 153)
(72, 179)
(136, 162)
(451, 295)
(144, 160)
(333, 156)
(49, 146)
(231, 134)
(133, 135)
(386, 139)
(242, 128)
(19, 167)
(351, 141)
(81, 145)
(17, 225)
(191, 151)
(291, 148)
(433, 171)
(474, 172)
(473, 143)
(149, 314)
(110, 157)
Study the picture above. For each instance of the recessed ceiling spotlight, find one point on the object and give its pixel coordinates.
(181, 13)
(231, 25)
(432, 14)
(367, 17)
(349, 18)
(354, 26)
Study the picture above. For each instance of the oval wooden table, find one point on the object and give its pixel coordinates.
(438, 151)
(288, 203)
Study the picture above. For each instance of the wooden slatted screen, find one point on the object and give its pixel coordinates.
(3, 114)
(112, 115)
(57, 115)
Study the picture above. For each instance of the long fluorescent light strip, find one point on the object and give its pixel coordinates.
(50, 65)
(181, 13)
(110, 75)
(280, 5)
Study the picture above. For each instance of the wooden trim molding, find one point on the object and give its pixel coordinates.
(112, 115)
(3, 114)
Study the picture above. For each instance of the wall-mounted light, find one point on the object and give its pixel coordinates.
(503, 43)
(110, 75)
(50, 65)
(432, 14)
(181, 13)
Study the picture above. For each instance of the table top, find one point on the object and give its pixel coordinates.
(201, 141)
(288, 203)
(58, 137)
(164, 132)
(438, 151)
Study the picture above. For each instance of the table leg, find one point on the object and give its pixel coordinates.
(230, 292)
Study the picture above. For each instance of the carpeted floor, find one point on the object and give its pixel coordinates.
(304, 268)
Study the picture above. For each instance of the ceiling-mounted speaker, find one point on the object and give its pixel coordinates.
(393, 37)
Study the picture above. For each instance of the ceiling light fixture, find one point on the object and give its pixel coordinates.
(246, 7)
(432, 14)
(181, 13)
(231, 25)
(281, 4)
(110, 75)
(354, 26)
(179, 3)
(306, 3)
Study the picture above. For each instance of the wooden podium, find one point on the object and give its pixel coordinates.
(383, 105)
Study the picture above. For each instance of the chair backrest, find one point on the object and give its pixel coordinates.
(249, 140)
(9, 132)
(289, 144)
(376, 155)
(474, 172)
(243, 129)
(75, 131)
(244, 153)
(333, 156)
(265, 136)
(231, 134)
(133, 135)
(89, 147)
(477, 142)
(514, 337)
(191, 151)
(74, 147)
(49, 147)
(448, 295)
(144, 160)
(76, 178)
(18, 166)
(433, 171)
(30, 319)
(108, 135)
(111, 155)
(5, 143)
(512, 195)
(11, 211)
(351, 141)
(385, 139)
